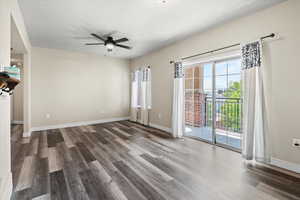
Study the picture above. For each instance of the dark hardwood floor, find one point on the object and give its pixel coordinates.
(124, 160)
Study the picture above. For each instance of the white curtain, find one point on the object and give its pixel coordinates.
(134, 96)
(254, 109)
(145, 96)
(178, 101)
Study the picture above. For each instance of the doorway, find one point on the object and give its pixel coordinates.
(213, 102)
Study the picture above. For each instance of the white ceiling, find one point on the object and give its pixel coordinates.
(149, 24)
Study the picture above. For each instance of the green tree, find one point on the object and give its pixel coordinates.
(231, 109)
(234, 90)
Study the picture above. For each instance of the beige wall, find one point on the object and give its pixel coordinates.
(17, 102)
(76, 87)
(17, 17)
(283, 70)
(5, 169)
(9, 10)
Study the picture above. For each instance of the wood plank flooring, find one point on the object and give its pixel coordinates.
(127, 161)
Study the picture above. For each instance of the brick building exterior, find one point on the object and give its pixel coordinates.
(194, 97)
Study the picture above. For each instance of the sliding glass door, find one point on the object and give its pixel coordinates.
(213, 102)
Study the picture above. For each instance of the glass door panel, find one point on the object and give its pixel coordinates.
(228, 103)
(198, 101)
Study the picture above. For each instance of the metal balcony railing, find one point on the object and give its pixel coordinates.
(228, 113)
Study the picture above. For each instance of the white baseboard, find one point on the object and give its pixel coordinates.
(72, 124)
(285, 165)
(6, 186)
(163, 128)
(17, 122)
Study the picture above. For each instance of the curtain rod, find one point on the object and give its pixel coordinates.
(219, 49)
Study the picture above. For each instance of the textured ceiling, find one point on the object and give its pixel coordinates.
(149, 24)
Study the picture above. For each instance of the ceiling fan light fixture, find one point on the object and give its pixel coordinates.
(109, 46)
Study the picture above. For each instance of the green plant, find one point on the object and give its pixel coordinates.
(231, 110)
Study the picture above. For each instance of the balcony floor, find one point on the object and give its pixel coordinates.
(231, 139)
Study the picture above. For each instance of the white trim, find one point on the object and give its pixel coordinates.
(72, 124)
(17, 122)
(163, 128)
(285, 165)
(6, 186)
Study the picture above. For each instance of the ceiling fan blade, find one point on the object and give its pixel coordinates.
(121, 40)
(94, 44)
(98, 37)
(123, 46)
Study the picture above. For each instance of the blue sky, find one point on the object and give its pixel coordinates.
(222, 80)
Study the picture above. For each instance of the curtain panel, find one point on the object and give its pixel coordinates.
(178, 101)
(145, 95)
(254, 108)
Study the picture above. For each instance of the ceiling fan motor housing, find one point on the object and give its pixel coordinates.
(109, 40)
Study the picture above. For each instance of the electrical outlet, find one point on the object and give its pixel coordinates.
(48, 116)
(296, 143)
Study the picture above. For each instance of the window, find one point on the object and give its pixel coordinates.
(141, 88)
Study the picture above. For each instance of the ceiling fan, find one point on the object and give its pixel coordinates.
(109, 42)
